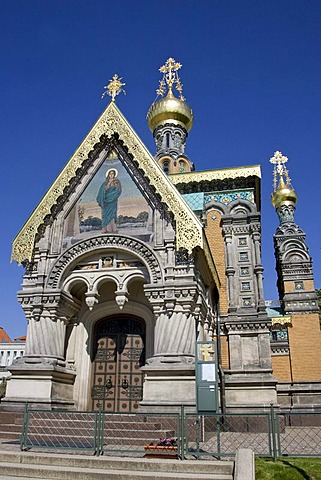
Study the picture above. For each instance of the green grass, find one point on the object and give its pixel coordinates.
(288, 469)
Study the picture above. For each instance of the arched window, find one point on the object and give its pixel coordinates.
(167, 140)
(165, 166)
(182, 167)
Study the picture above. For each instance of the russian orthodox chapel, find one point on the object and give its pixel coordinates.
(130, 258)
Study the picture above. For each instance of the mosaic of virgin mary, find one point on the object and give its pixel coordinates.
(107, 199)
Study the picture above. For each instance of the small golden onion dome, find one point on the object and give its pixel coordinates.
(283, 195)
(170, 110)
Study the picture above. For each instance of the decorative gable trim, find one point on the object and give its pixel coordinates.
(189, 232)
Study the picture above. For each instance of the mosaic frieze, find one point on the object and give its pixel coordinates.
(198, 200)
(227, 197)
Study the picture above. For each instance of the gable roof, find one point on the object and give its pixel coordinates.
(4, 336)
(189, 231)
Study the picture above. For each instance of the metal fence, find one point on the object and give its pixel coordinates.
(222, 435)
(271, 434)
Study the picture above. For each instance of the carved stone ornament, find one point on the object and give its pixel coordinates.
(189, 232)
(248, 326)
(55, 303)
(105, 241)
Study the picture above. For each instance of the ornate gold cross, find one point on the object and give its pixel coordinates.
(114, 87)
(280, 169)
(170, 78)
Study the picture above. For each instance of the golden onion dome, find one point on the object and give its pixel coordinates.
(170, 110)
(283, 195)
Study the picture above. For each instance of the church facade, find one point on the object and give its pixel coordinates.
(131, 258)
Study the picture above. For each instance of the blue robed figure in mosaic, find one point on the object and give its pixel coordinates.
(107, 199)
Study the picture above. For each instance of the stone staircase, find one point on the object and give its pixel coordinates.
(76, 430)
(46, 466)
(11, 425)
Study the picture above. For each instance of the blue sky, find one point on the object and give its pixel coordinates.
(251, 73)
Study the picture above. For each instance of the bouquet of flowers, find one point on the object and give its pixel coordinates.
(167, 442)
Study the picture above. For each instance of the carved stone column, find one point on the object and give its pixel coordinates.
(170, 372)
(175, 328)
(41, 376)
(258, 269)
(230, 269)
(46, 337)
(48, 314)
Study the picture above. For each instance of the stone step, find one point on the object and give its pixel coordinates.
(14, 418)
(108, 433)
(118, 425)
(10, 435)
(69, 473)
(69, 467)
(51, 440)
(10, 427)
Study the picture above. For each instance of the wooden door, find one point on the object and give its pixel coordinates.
(119, 356)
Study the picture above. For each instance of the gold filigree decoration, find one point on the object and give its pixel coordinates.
(280, 171)
(114, 87)
(189, 232)
(170, 79)
(220, 174)
(286, 320)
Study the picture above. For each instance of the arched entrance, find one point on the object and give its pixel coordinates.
(119, 354)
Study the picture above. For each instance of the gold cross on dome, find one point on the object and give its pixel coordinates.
(278, 158)
(280, 169)
(170, 78)
(207, 352)
(114, 87)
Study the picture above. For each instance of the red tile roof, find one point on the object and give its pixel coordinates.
(4, 336)
(20, 339)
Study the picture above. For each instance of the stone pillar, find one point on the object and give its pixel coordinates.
(175, 335)
(46, 337)
(230, 269)
(170, 372)
(41, 377)
(258, 269)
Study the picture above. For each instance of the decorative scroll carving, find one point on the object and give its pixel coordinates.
(188, 228)
(56, 304)
(221, 174)
(286, 320)
(105, 241)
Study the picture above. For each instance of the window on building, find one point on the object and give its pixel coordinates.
(165, 166)
(246, 302)
(182, 167)
(245, 286)
(244, 256)
(242, 241)
(279, 335)
(245, 271)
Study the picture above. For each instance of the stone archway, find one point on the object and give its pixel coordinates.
(118, 355)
